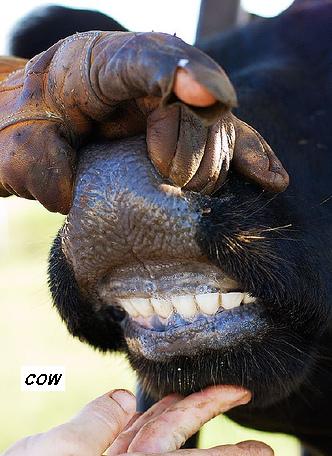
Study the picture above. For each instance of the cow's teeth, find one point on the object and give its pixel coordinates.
(185, 305)
(248, 299)
(162, 307)
(128, 307)
(231, 300)
(142, 306)
(208, 303)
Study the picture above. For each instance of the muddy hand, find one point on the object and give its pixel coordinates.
(49, 108)
(116, 85)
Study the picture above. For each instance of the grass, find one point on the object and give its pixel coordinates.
(32, 333)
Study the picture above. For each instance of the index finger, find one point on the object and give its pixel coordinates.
(133, 65)
(170, 430)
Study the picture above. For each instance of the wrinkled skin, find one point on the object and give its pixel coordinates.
(97, 84)
(278, 248)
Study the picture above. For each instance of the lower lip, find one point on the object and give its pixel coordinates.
(219, 332)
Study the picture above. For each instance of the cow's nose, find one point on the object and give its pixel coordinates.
(123, 212)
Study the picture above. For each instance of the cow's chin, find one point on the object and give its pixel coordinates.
(265, 361)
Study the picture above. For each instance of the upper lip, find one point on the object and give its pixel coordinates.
(172, 277)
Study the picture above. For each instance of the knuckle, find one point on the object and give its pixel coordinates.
(66, 439)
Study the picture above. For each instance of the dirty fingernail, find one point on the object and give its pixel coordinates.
(125, 399)
(190, 91)
(234, 394)
(239, 393)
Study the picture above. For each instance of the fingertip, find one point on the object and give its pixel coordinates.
(280, 181)
(57, 197)
(253, 447)
(234, 392)
(125, 399)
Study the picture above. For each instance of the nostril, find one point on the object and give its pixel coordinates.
(206, 211)
(118, 313)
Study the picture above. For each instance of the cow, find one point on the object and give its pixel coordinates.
(231, 285)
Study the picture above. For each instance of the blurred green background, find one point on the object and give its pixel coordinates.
(32, 333)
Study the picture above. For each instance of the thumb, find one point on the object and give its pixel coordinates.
(37, 162)
(95, 427)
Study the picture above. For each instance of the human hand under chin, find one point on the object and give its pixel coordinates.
(110, 425)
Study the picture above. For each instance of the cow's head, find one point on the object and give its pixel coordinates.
(196, 289)
(199, 279)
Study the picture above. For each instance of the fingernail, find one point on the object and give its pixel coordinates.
(244, 399)
(236, 395)
(125, 399)
(239, 394)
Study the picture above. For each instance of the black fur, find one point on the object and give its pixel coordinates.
(45, 26)
(75, 310)
(282, 71)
